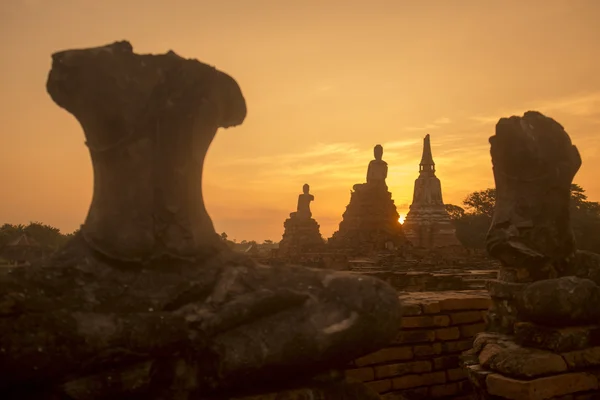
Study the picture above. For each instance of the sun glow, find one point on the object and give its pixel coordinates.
(402, 218)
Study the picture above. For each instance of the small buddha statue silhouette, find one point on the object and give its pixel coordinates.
(378, 169)
(304, 199)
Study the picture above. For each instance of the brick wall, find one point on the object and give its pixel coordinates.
(423, 361)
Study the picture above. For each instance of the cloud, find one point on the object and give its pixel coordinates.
(330, 164)
(442, 121)
(317, 151)
(434, 125)
(585, 105)
(324, 89)
(400, 144)
(421, 128)
(31, 3)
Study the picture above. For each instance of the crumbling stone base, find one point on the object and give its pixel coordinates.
(301, 235)
(536, 363)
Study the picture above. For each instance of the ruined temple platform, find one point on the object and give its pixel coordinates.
(423, 361)
(501, 369)
(428, 275)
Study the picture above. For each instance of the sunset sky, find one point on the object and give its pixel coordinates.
(325, 80)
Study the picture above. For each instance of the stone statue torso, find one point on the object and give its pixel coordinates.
(377, 171)
(303, 210)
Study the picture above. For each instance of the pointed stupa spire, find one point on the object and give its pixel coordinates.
(427, 163)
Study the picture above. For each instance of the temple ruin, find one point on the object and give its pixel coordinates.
(147, 301)
(427, 223)
(301, 231)
(371, 221)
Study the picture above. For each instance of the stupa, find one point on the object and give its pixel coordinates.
(428, 224)
(371, 221)
(301, 230)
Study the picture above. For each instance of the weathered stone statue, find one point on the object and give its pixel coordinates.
(378, 169)
(371, 221)
(427, 223)
(147, 301)
(301, 232)
(304, 199)
(544, 322)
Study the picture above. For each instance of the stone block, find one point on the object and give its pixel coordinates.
(415, 336)
(410, 310)
(360, 374)
(520, 362)
(488, 353)
(465, 303)
(456, 374)
(456, 346)
(446, 362)
(504, 290)
(565, 301)
(411, 381)
(425, 321)
(580, 359)
(445, 390)
(418, 393)
(466, 317)
(427, 350)
(477, 376)
(385, 355)
(380, 386)
(395, 396)
(414, 367)
(540, 388)
(432, 307)
(469, 331)
(334, 390)
(556, 339)
(585, 396)
(451, 333)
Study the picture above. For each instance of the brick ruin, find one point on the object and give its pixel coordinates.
(427, 223)
(423, 361)
(147, 301)
(539, 338)
(301, 232)
(162, 309)
(370, 222)
(370, 225)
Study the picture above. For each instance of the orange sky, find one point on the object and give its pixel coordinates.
(325, 80)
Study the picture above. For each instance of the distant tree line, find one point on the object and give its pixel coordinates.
(49, 238)
(474, 219)
(43, 238)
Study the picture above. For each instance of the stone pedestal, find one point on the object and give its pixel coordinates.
(301, 235)
(370, 222)
(547, 364)
(430, 227)
(543, 332)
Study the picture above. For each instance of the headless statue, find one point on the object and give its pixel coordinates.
(304, 199)
(377, 171)
(147, 301)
